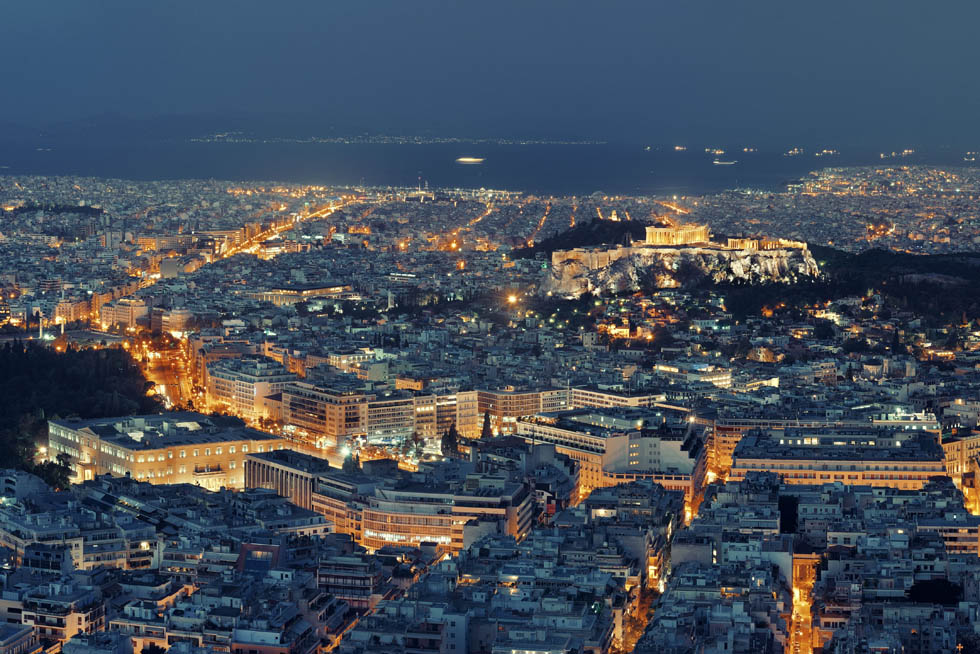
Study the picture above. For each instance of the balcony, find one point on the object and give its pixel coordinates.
(208, 471)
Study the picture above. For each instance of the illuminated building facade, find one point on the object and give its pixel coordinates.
(729, 427)
(124, 311)
(886, 458)
(382, 509)
(689, 234)
(506, 406)
(326, 415)
(615, 446)
(242, 386)
(172, 448)
(294, 293)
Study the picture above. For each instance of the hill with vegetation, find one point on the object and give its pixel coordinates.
(37, 384)
(942, 287)
(595, 232)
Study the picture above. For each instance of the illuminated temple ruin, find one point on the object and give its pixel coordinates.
(692, 234)
(664, 248)
(689, 234)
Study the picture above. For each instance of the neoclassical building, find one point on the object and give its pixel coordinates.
(688, 234)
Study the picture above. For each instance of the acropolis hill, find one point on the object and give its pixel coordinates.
(676, 255)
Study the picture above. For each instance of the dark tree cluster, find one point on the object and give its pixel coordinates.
(595, 232)
(54, 208)
(944, 287)
(38, 384)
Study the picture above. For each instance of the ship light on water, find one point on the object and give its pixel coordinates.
(469, 161)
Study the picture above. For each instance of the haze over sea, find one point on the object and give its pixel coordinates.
(545, 169)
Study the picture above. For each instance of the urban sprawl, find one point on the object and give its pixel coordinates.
(394, 423)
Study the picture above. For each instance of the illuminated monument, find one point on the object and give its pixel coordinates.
(667, 249)
(689, 234)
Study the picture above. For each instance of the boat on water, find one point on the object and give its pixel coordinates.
(469, 161)
(718, 162)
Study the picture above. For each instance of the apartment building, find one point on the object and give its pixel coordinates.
(615, 446)
(506, 406)
(882, 458)
(244, 387)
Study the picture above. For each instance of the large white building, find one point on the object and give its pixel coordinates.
(870, 457)
(614, 446)
(244, 386)
(170, 448)
(124, 311)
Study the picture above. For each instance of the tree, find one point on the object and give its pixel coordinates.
(450, 441)
(935, 591)
(153, 648)
(416, 444)
(823, 330)
(57, 474)
(897, 346)
(689, 273)
(788, 514)
(853, 345)
(487, 429)
(352, 464)
(37, 382)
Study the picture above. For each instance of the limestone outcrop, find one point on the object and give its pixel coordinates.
(605, 271)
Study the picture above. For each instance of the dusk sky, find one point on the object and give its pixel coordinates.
(765, 71)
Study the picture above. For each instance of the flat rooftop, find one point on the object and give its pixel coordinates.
(148, 432)
(762, 447)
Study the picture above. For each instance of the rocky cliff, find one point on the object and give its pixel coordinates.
(574, 272)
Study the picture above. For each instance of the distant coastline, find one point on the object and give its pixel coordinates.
(541, 168)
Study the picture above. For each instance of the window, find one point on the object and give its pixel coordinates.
(231, 449)
(170, 454)
(231, 464)
(217, 450)
(207, 451)
(195, 452)
(183, 454)
(140, 459)
(261, 448)
(244, 448)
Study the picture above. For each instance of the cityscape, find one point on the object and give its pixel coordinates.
(244, 416)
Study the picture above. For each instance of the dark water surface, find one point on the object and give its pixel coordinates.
(542, 169)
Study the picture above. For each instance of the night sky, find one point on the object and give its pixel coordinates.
(853, 73)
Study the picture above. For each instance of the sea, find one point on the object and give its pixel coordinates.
(537, 168)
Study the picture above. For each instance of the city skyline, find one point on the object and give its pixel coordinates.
(504, 328)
